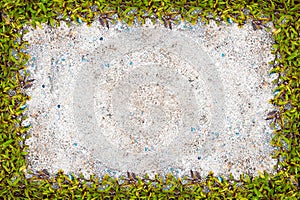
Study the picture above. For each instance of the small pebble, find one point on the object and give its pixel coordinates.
(220, 179)
(23, 107)
(27, 126)
(276, 92)
(230, 21)
(71, 177)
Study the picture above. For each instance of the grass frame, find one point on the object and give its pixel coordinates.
(15, 14)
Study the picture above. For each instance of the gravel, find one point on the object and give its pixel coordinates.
(147, 99)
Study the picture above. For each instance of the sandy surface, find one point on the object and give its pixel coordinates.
(150, 100)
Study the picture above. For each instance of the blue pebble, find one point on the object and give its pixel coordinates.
(75, 144)
(79, 20)
(43, 86)
(107, 65)
(58, 106)
(146, 149)
(101, 38)
(271, 73)
(230, 21)
(130, 63)
(83, 59)
(23, 107)
(237, 133)
(193, 129)
(220, 179)
(276, 92)
(199, 157)
(71, 177)
(223, 55)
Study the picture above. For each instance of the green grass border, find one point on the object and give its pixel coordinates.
(285, 184)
